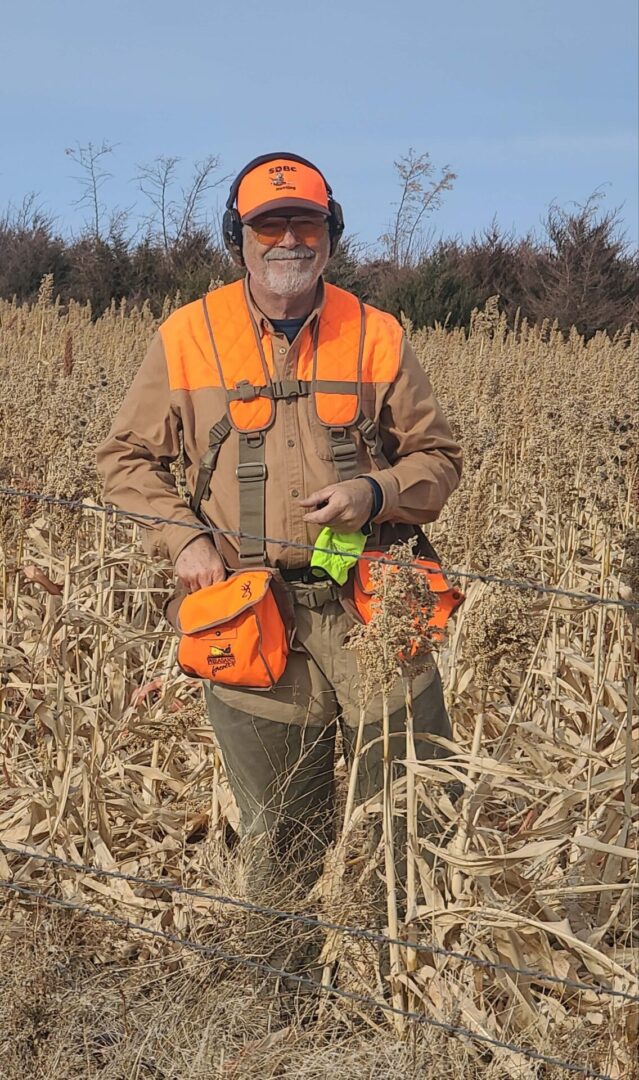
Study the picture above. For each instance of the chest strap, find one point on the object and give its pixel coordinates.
(344, 448)
(372, 441)
(342, 445)
(251, 470)
(282, 389)
(218, 433)
(251, 475)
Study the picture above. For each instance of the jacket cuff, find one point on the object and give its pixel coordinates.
(390, 494)
(176, 537)
(378, 498)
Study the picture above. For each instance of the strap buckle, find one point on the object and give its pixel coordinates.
(342, 446)
(314, 596)
(250, 471)
(368, 431)
(218, 433)
(246, 390)
(288, 388)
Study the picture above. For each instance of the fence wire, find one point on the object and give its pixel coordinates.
(304, 919)
(467, 575)
(311, 920)
(304, 981)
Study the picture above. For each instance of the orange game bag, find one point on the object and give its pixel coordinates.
(232, 632)
(448, 598)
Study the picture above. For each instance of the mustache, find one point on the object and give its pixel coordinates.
(284, 254)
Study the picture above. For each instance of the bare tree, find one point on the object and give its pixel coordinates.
(93, 176)
(30, 249)
(29, 215)
(155, 181)
(421, 194)
(175, 216)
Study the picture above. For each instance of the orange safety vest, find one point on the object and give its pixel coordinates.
(217, 343)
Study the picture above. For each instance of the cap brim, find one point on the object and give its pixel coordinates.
(285, 204)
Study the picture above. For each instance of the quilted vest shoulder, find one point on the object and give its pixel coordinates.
(383, 352)
(384, 334)
(187, 345)
(191, 365)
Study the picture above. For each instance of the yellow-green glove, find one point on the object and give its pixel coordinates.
(339, 554)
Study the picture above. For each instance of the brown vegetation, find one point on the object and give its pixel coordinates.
(108, 759)
(579, 271)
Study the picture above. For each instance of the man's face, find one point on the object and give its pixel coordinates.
(286, 252)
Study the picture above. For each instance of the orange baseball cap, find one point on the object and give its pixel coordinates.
(281, 183)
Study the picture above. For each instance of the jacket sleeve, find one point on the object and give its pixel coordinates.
(134, 458)
(426, 459)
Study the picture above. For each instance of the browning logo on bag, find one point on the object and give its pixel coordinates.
(232, 632)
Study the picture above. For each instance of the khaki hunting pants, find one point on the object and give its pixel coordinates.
(278, 746)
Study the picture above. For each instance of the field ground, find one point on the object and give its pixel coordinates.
(107, 757)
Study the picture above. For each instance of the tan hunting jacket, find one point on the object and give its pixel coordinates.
(145, 438)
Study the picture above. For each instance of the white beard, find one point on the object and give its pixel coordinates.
(290, 277)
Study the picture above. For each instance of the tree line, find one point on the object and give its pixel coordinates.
(578, 271)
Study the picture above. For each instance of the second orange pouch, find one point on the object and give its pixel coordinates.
(447, 597)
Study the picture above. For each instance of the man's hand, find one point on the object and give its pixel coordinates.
(345, 507)
(199, 565)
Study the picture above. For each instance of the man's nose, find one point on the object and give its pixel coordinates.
(289, 240)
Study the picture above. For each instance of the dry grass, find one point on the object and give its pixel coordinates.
(107, 756)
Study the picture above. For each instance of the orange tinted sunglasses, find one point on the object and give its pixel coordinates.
(272, 231)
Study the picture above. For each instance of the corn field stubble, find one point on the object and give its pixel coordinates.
(107, 756)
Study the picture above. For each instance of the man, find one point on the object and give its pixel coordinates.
(290, 397)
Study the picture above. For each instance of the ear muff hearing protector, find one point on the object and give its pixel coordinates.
(232, 223)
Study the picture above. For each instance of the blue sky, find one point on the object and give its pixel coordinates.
(529, 101)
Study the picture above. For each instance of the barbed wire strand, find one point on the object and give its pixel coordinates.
(301, 980)
(468, 575)
(357, 932)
